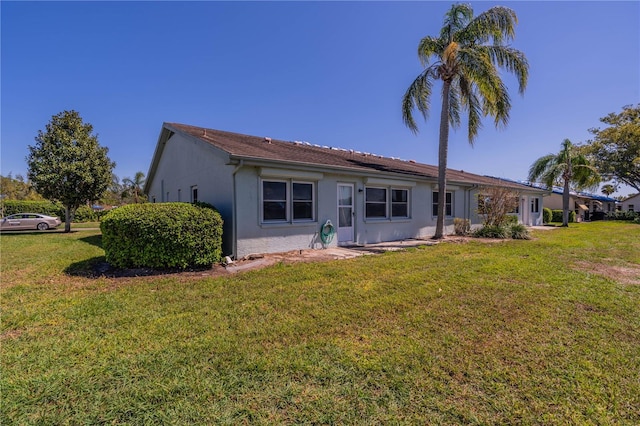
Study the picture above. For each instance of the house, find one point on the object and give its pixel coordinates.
(631, 203)
(276, 196)
(586, 205)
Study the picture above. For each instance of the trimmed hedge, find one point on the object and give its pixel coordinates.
(556, 216)
(9, 207)
(620, 215)
(547, 215)
(162, 236)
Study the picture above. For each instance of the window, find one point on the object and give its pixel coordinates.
(399, 203)
(376, 203)
(194, 194)
(448, 208)
(302, 201)
(285, 200)
(535, 205)
(274, 200)
(631, 207)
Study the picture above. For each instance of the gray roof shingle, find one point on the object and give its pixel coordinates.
(261, 148)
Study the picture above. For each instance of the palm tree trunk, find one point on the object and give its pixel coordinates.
(565, 204)
(443, 147)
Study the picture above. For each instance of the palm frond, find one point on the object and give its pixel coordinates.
(471, 102)
(512, 60)
(454, 106)
(456, 18)
(428, 47)
(418, 97)
(496, 24)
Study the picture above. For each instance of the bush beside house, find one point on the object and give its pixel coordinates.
(163, 235)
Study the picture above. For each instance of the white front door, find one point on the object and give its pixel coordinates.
(345, 213)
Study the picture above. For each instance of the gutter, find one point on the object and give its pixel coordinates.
(234, 214)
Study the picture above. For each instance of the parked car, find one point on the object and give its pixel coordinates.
(29, 221)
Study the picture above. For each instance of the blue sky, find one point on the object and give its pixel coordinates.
(330, 73)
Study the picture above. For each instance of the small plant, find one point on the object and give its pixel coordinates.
(495, 204)
(461, 226)
(492, 231)
(519, 232)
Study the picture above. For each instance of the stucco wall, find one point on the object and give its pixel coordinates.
(187, 162)
(254, 236)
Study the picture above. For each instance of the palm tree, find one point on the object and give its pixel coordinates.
(569, 166)
(465, 56)
(608, 189)
(134, 184)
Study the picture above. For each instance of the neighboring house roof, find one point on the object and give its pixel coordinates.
(245, 147)
(582, 194)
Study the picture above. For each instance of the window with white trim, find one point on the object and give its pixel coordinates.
(535, 205)
(448, 208)
(287, 200)
(378, 204)
(399, 203)
(375, 203)
(194, 194)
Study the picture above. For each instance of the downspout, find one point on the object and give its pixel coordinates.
(234, 215)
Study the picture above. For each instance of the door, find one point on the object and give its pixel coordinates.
(345, 213)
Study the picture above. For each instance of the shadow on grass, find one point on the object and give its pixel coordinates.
(94, 240)
(98, 267)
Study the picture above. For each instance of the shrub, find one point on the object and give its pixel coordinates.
(557, 216)
(461, 226)
(620, 215)
(491, 231)
(84, 214)
(9, 207)
(547, 215)
(519, 232)
(162, 235)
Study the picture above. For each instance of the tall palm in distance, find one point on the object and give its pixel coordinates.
(135, 185)
(568, 167)
(465, 57)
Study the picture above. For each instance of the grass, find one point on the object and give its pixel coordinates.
(520, 332)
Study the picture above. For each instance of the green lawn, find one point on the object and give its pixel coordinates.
(544, 332)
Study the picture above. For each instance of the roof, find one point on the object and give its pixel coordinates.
(245, 147)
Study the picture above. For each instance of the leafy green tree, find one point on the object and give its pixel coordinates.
(135, 185)
(67, 164)
(568, 167)
(616, 149)
(466, 57)
(608, 189)
(17, 189)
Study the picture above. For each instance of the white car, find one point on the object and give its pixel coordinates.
(29, 221)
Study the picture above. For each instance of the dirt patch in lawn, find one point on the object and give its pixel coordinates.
(629, 274)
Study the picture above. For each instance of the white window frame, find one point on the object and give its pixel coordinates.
(289, 202)
(194, 189)
(385, 203)
(535, 205)
(434, 205)
(388, 203)
(408, 203)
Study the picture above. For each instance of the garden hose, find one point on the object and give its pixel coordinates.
(327, 232)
